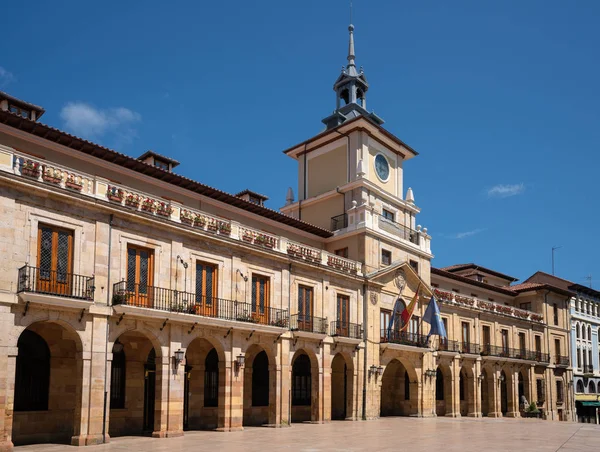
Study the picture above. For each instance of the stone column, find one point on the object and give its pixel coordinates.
(512, 387)
(161, 397)
(80, 418)
(8, 363)
(284, 380)
(235, 382)
(325, 393)
(494, 394)
(454, 409)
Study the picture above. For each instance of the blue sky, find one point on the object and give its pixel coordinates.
(501, 100)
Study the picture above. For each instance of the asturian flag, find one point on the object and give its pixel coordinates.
(432, 316)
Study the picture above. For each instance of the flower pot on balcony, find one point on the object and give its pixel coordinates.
(51, 179)
(31, 172)
(73, 185)
(186, 220)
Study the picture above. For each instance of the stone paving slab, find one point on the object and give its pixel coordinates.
(387, 434)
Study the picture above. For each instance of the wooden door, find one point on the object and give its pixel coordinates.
(140, 271)
(343, 315)
(55, 260)
(206, 290)
(486, 339)
(260, 299)
(305, 308)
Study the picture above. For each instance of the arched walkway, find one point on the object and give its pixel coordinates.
(443, 391)
(341, 388)
(305, 384)
(467, 392)
(523, 390)
(204, 389)
(259, 387)
(399, 390)
(134, 385)
(48, 385)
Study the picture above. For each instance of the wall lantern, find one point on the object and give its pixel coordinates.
(239, 361)
(501, 378)
(430, 373)
(380, 371)
(178, 357)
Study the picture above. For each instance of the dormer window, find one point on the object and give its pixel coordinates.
(19, 111)
(162, 165)
(253, 197)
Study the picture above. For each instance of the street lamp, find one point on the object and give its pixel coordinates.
(178, 357)
(239, 361)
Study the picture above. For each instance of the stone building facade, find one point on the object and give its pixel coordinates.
(136, 301)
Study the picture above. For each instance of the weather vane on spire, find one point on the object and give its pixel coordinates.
(350, 11)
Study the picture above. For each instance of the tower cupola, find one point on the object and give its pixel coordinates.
(351, 92)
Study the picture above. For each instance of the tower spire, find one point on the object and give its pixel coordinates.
(351, 56)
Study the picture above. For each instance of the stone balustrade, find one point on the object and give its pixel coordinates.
(100, 188)
(481, 305)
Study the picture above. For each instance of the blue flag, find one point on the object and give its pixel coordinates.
(433, 317)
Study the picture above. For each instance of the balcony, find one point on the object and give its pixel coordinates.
(339, 222)
(562, 361)
(404, 338)
(446, 345)
(399, 230)
(471, 349)
(308, 324)
(51, 283)
(126, 293)
(505, 352)
(345, 329)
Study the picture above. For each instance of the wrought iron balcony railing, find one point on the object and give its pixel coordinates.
(310, 324)
(58, 283)
(140, 295)
(447, 345)
(345, 329)
(404, 338)
(339, 222)
(560, 360)
(467, 347)
(506, 352)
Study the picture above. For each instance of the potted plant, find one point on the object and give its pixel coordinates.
(247, 236)
(187, 217)
(30, 169)
(132, 200)
(212, 226)
(282, 323)
(52, 175)
(73, 182)
(224, 228)
(149, 205)
(532, 411)
(115, 193)
(120, 297)
(164, 209)
(178, 307)
(200, 221)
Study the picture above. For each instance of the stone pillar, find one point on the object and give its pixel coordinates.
(235, 382)
(454, 409)
(512, 387)
(161, 398)
(494, 394)
(284, 379)
(325, 393)
(175, 388)
(8, 363)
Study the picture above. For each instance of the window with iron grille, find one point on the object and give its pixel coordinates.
(305, 304)
(211, 379)
(301, 381)
(139, 269)
(117, 380)
(32, 376)
(55, 257)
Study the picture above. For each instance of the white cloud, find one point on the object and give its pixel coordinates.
(504, 191)
(6, 77)
(87, 121)
(464, 235)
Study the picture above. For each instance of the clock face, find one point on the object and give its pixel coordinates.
(382, 167)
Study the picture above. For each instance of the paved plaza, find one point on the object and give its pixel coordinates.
(387, 434)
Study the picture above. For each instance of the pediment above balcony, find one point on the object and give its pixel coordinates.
(400, 279)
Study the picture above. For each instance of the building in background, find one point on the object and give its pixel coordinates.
(585, 334)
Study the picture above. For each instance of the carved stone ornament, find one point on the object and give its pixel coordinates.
(400, 280)
(373, 298)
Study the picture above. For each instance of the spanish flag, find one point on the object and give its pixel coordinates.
(407, 313)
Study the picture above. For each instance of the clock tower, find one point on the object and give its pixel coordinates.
(350, 181)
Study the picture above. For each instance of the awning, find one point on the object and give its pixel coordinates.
(586, 403)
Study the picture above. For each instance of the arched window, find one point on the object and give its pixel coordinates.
(406, 386)
(579, 363)
(589, 336)
(117, 377)
(301, 387)
(439, 385)
(211, 379)
(32, 378)
(578, 328)
(579, 388)
(260, 380)
(591, 387)
(582, 331)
